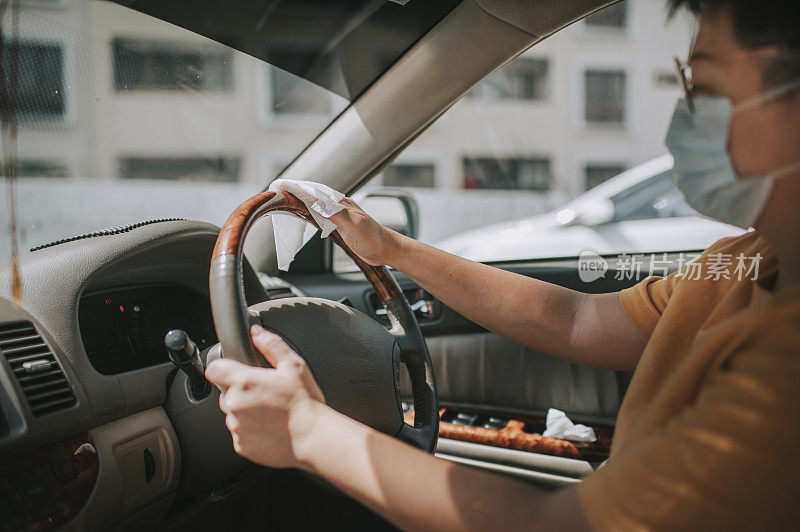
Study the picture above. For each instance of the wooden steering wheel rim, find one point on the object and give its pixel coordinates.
(233, 320)
(231, 237)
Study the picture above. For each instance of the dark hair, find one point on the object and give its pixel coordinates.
(758, 23)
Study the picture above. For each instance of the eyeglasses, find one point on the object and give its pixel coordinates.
(685, 75)
(685, 71)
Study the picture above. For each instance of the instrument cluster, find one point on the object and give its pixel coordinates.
(123, 328)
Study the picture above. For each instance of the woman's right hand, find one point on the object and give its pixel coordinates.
(371, 241)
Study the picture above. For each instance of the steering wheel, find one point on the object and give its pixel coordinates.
(355, 359)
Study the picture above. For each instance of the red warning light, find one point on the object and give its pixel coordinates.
(108, 301)
(121, 308)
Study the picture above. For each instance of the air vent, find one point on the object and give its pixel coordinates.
(37, 371)
(279, 293)
(277, 288)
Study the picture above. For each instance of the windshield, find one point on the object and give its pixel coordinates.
(124, 117)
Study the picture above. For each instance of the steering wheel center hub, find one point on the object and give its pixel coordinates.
(354, 359)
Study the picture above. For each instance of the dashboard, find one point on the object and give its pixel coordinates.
(96, 424)
(123, 328)
(98, 428)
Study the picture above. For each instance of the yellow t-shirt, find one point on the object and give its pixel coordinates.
(708, 436)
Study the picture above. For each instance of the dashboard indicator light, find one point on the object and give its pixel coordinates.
(108, 301)
(136, 308)
(121, 308)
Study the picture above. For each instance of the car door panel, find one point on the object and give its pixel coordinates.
(478, 371)
(479, 368)
(487, 371)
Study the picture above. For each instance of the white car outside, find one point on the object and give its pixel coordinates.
(638, 211)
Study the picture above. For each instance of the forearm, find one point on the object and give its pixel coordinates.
(540, 315)
(417, 491)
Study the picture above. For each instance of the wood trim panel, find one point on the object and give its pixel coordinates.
(66, 471)
(513, 436)
(510, 437)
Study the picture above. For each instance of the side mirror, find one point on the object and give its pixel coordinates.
(395, 209)
(596, 213)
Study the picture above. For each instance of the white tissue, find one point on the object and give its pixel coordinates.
(560, 426)
(292, 233)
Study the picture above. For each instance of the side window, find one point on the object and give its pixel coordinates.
(561, 150)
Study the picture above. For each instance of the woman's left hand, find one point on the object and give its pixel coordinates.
(269, 412)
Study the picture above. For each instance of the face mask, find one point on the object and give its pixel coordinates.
(703, 169)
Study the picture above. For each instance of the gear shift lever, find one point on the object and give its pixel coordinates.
(184, 354)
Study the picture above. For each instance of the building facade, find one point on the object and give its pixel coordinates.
(109, 96)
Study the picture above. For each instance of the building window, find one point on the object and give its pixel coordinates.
(507, 174)
(292, 94)
(666, 79)
(410, 175)
(183, 168)
(598, 173)
(160, 65)
(605, 96)
(615, 17)
(41, 79)
(524, 78)
(41, 168)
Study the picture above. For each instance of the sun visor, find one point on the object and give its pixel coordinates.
(341, 46)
